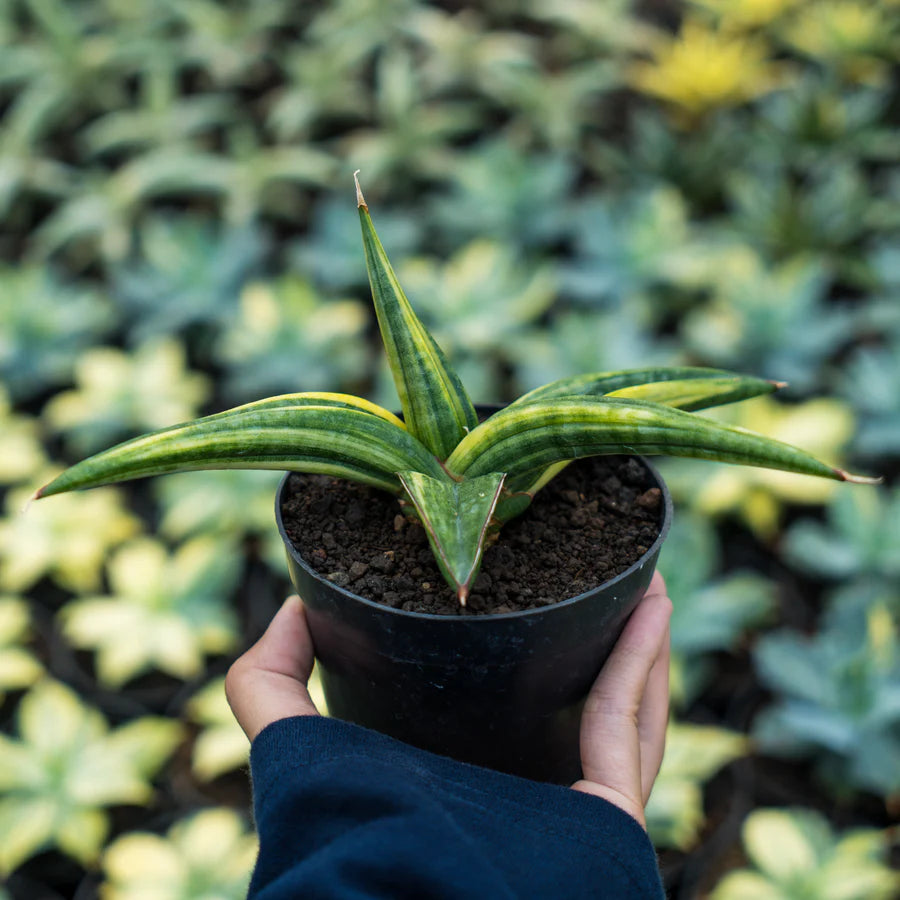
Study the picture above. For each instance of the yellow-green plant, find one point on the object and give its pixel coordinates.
(797, 855)
(65, 767)
(208, 855)
(18, 667)
(176, 602)
(462, 479)
(221, 746)
(694, 753)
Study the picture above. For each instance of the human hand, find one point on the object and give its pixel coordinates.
(268, 682)
(623, 727)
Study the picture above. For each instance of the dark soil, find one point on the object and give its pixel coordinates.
(593, 521)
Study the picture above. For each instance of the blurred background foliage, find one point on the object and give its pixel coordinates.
(565, 188)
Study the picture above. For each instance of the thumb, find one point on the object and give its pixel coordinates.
(268, 682)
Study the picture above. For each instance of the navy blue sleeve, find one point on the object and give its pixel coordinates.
(345, 813)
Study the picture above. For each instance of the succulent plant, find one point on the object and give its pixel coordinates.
(462, 479)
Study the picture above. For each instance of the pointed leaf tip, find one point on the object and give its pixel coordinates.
(778, 385)
(858, 479)
(360, 200)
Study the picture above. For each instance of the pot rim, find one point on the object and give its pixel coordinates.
(668, 510)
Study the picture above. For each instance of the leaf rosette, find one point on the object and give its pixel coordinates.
(460, 477)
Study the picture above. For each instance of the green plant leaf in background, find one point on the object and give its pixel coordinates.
(229, 503)
(160, 119)
(65, 767)
(837, 699)
(45, 324)
(870, 380)
(221, 746)
(746, 14)
(824, 213)
(177, 603)
(227, 43)
(19, 668)
(479, 304)
(462, 51)
(771, 320)
(627, 245)
(413, 134)
(185, 274)
(328, 254)
(206, 856)
(69, 541)
(711, 611)
(96, 221)
(287, 333)
(525, 191)
(21, 449)
(860, 539)
(797, 855)
(694, 753)
(320, 81)
(757, 495)
(857, 40)
(120, 393)
(586, 342)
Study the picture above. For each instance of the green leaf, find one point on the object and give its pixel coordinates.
(685, 387)
(66, 766)
(694, 753)
(221, 746)
(207, 855)
(177, 602)
(456, 516)
(435, 405)
(334, 434)
(688, 388)
(521, 439)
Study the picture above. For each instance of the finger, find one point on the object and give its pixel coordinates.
(653, 719)
(610, 738)
(268, 682)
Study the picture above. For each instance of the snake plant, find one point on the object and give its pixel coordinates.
(460, 478)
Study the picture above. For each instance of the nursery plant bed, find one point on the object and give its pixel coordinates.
(500, 682)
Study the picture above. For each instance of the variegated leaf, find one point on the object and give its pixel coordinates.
(456, 516)
(435, 405)
(522, 439)
(346, 440)
(684, 387)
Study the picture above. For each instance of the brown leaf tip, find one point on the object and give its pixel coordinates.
(859, 479)
(778, 385)
(360, 200)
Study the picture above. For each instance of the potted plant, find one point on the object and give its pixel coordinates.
(503, 689)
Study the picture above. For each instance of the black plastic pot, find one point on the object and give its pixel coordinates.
(503, 691)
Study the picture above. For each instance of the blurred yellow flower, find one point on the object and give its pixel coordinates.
(703, 69)
(757, 494)
(858, 38)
